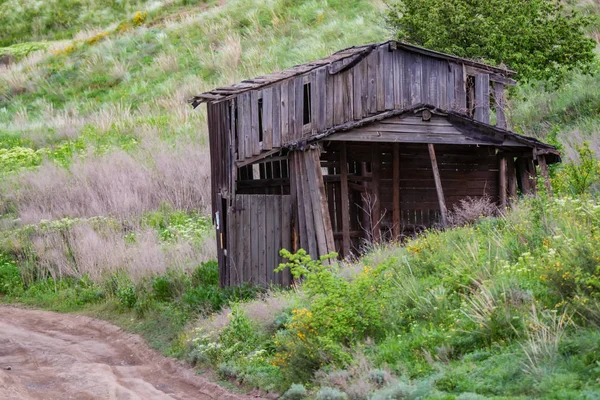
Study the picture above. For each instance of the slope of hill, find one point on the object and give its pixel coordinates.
(104, 200)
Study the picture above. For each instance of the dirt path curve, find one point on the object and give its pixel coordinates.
(64, 356)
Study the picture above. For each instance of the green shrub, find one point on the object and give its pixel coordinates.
(328, 393)
(126, 295)
(171, 285)
(11, 282)
(578, 177)
(295, 392)
(206, 274)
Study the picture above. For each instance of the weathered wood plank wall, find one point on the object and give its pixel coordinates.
(382, 81)
(253, 257)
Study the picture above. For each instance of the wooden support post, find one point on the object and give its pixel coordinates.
(500, 106)
(396, 188)
(438, 185)
(344, 201)
(532, 175)
(522, 180)
(502, 183)
(544, 171)
(512, 179)
(376, 173)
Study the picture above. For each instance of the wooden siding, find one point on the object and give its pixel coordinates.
(412, 129)
(384, 80)
(260, 226)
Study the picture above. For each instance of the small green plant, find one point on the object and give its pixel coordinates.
(11, 282)
(579, 177)
(295, 392)
(329, 393)
(126, 295)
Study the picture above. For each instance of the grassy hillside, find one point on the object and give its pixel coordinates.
(104, 209)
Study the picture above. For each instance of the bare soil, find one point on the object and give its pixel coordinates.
(45, 355)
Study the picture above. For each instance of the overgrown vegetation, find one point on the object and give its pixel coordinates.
(495, 308)
(539, 39)
(103, 194)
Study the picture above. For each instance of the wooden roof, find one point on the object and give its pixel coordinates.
(354, 53)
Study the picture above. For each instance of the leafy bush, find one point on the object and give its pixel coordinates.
(295, 392)
(536, 38)
(327, 393)
(10, 277)
(399, 391)
(578, 177)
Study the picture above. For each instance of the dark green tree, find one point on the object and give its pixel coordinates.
(539, 39)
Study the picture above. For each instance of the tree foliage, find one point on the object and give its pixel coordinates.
(537, 38)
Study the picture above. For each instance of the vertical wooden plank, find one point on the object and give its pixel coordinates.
(523, 175)
(460, 88)
(246, 240)
(286, 235)
(512, 179)
(262, 234)
(380, 78)
(292, 110)
(364, 89)
(372, 61)
(442, 68)
(301, 215)
(388, 73)
(500, 106)
(299, 131)
(271, 238)
(345, 207)
(267, 119)
(338, 99)
(240, 255)
(544, 172)
(396, 224)
(482, 98)
(330, 83)
(254, 240)
(357, 95)
(307, 205)
(321, 92)
(502, 183)
(284, 112)
(397, 79)
(276, 116)
(245, 118)
(425, 79)
(277, 246)
(416, 79)
(322, 222)
(239, 129)
(254, 136)
(376, 191)
(438, 185)
(450, 89)
(348, 93)
(405, 62)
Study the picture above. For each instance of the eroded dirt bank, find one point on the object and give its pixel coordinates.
(45, 355)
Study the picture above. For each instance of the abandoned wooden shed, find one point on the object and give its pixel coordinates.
(366, 144)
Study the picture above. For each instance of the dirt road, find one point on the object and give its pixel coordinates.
(44, 355)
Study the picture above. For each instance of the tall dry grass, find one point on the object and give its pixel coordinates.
(116, 184)
(97, 250)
